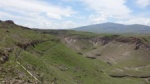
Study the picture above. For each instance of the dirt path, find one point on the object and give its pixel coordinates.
(27, 71)
(51, 47)
(142, 67)
(137, 68)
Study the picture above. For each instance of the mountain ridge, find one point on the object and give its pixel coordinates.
(110, 27)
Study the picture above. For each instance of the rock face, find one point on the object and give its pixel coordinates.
(103, 40)
(3, 57)
(0, 21)
(9, 21)
(32, 43)
(24, 46)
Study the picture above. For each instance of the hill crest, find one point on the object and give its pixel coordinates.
(110, 27)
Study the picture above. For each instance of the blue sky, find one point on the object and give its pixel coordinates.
(64, 14)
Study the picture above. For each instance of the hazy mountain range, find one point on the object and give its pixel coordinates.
(114, 28)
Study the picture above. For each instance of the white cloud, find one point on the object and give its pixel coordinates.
(41, 22)
(35, 13)
(143, 21)
(27, 7)
(98, 18)
(43, 14)
(14, 17)
(55, 16)
(113, 8)
(143, 3)
(69, 24)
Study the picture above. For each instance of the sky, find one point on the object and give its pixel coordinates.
(65, 14)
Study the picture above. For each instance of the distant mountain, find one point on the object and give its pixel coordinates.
(114, 28)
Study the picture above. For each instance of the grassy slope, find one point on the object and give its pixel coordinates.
(49, 61)
(128, 61)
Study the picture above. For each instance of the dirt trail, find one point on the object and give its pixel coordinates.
(142, 67)
(51, 47)
(27, 71)
(137, 68)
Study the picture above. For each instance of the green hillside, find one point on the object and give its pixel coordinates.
(126, 54)
(31, 57)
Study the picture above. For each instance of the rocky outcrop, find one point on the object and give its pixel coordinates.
(98, 40)
(9, 22)
(3, 58)
(103, 40)
(33, 43)
(25, 27)
(25, 45)
(4, 55)
(138, 42)
(122, 76)
(130, 40)
(107, 39)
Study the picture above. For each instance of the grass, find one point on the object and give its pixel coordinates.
(51, 61)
